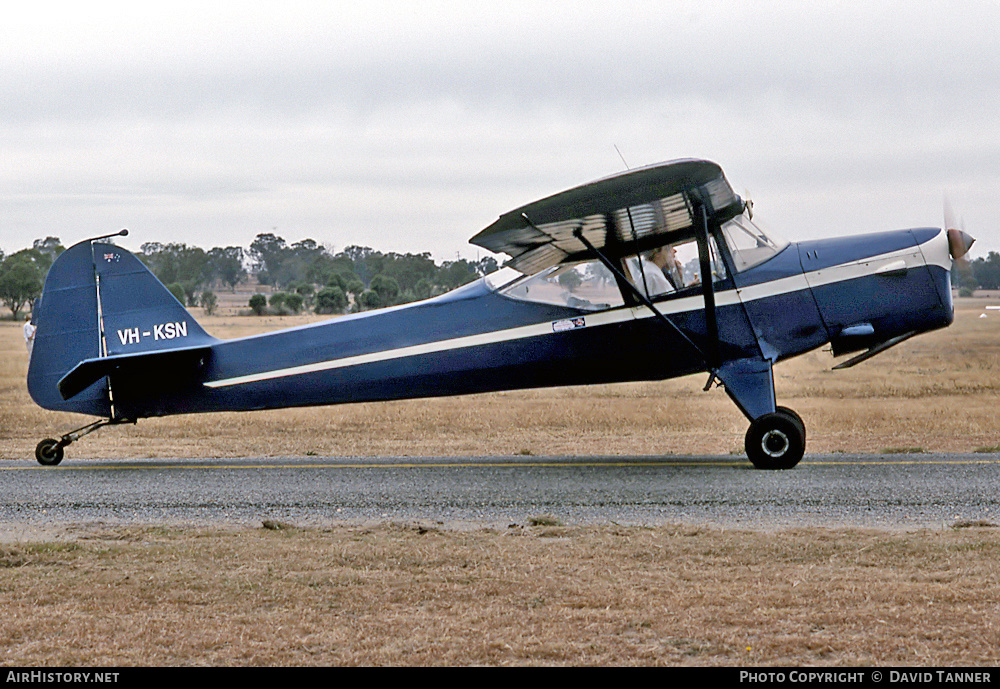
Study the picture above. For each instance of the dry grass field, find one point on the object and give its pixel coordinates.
(531, 594)
(408, 595)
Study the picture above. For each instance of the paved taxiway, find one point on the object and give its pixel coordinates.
(885, 491)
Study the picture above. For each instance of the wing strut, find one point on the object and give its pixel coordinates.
(748, 382)
(622, 280)
(707, 287)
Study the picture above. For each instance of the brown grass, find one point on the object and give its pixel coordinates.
(938, 392)
(549, 595)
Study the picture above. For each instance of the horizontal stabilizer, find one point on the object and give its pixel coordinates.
(152, 367)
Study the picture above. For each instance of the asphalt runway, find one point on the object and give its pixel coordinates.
(882, 491)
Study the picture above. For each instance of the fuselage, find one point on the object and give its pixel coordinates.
(853, 291)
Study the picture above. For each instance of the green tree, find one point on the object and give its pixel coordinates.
(365, 262)
(190, 288)
(176, 289)
(355, 287)
(277, 301)
(331, 300)
(408, 269)
(268, 251)
(987, 271)
(258, 304)
(369, 299)
(208, 302)
(50, 248)
(294, 301)
(387, 289)
(177, 263)
(226, 265)
(20, 281)
(454, 274)
(570, 280)
(423, 289)
(487, 265)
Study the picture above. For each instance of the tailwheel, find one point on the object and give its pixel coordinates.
(49, 452)
(776, 440)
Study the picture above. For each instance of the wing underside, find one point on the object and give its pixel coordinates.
(638, 208)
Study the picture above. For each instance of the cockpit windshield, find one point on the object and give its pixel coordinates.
(748, 244)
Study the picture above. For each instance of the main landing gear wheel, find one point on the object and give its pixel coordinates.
(776, 440)
(797, 418)
(49, 452)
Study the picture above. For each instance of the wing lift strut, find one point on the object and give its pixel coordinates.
(748, 381)
(776, 437)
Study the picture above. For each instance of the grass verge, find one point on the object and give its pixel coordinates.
(546, 595)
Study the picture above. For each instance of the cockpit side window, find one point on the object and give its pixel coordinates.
(748, 244)
(587, 285)
(673, 268)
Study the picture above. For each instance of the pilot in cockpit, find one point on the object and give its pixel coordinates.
(666, 260)
(660, 270)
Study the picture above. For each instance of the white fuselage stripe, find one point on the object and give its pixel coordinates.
(512, 334)
(787, 285)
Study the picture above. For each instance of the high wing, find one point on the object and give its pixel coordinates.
(637, 209)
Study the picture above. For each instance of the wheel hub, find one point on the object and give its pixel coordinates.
(775, 443)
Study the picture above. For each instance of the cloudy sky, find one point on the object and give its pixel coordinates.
(410, 126)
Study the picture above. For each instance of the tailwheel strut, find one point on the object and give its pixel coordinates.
(49, 452)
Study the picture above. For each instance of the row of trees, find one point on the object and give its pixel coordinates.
(981, 273)
(303, 275)
(306, 275)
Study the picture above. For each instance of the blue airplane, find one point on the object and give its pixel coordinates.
(648, 274)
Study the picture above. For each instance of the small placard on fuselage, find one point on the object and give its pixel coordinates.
(568, 324)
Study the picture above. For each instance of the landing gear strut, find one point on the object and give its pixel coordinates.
(49, 452)
(776, 440)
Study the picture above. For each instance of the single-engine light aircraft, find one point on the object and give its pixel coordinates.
(648, 274)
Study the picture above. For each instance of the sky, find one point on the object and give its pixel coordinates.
(410, 126)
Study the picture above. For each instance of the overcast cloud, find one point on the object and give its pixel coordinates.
(410, 126)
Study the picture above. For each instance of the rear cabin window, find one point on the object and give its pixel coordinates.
(587, 285)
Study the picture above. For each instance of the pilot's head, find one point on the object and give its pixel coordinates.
(661, 256)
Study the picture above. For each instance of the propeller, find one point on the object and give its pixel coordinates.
(959, 242)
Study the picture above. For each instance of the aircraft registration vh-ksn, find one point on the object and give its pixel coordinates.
(648, 274)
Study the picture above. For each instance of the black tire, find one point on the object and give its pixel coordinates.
(797, 418)
(49, 452)
(776, 441)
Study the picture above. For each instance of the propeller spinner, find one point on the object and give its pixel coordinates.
(959, 241)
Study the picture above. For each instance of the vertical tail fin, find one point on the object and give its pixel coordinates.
(100, 301)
